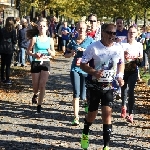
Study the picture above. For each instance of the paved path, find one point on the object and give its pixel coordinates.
(22, 129)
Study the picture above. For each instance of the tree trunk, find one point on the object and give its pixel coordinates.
(144, 16)
(136, 19)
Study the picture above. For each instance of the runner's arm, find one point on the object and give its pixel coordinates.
(86, 68)
(69, 50)
(69, 53)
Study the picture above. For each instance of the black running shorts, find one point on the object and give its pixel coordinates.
(37, 66)
(95, 96)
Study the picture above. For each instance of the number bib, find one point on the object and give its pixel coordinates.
(108, 76)
(44, 56)
(123, 38)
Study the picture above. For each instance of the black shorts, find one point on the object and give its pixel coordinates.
(94, 96)
(36, 67)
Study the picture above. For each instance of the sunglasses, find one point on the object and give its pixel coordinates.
(110, 33)
(92, 21)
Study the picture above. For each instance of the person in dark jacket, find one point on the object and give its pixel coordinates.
(23, 43)
(7, 42)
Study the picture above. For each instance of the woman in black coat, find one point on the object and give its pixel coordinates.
(7, 42)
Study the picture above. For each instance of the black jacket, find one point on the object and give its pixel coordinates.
(4, 34)
(7, 41)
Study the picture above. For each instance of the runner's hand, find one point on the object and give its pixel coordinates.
(73, 52)
(37, 55)
(120, 81)
(98, 74)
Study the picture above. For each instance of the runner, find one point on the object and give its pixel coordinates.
(121, 37)
(100, 61)
(75, 49)
(133, 55)
(121, 32)
(40, 67)
(95, 27)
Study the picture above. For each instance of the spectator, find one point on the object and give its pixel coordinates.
(143, 40)
(23, 42)
(59, 33)
(7, 42)
(65, 35)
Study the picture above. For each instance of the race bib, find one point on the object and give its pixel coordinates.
(78, 61)
(108, 76)
(122, 37)
(129, 56)
(44, 56)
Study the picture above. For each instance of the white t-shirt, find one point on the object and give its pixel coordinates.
(132, 51)
(104, 58)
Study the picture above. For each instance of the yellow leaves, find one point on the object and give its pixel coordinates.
(103, 8)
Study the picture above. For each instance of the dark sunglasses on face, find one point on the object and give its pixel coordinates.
(110, 33)
(92, 21)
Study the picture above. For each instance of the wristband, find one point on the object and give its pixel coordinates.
(120, 75)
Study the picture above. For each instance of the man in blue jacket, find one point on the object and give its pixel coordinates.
(23, 42)
(65, 36)
(121, 32)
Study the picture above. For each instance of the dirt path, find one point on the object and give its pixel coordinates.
(22, 129)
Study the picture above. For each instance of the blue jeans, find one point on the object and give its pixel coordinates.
(65, 42)
(29, 59)
(22, 55)
(130, 80)
(78, 83)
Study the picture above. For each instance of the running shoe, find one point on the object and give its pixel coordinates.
(84, 141)
(75, 122)
(34, 99)
(123, 112)
(106, 148)
(130, 118)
